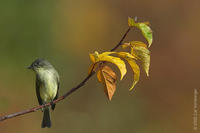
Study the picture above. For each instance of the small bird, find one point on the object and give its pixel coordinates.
(47, 85)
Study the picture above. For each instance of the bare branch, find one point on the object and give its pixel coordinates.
(5, 117)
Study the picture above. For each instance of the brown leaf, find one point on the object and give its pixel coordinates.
(108, 78)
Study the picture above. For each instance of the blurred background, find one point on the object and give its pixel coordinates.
(65, 32)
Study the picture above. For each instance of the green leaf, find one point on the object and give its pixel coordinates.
(146, 31)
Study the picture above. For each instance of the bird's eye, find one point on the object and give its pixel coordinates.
(37, 64)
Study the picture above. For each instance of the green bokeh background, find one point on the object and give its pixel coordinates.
(65, 32)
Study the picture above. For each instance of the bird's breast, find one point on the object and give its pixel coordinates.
(49, 85)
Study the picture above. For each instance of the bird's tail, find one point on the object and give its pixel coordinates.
(46, 122)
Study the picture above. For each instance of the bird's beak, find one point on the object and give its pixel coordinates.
(30, 67)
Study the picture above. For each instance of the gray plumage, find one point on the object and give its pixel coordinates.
(47, 85)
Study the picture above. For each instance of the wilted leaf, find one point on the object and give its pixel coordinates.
(146, 31)
(106, 57)
(108, 78)
(130, 59)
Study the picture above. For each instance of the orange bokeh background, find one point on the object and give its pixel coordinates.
(65, 32)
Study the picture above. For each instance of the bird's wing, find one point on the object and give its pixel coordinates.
(38, 84)
(58, 86)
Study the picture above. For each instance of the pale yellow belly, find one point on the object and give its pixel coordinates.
(48, 92)
(48, 88)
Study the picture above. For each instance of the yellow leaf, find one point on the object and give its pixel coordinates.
(108, 78)
(125, 45)
(118, 62)
(136, 71)
(131, 22)
(141, 52)
(125, 55)
(137, 44)
(106, 53)
(130, 59)
(92, 58)
(147, 23)
(134, 44)
(106, 57)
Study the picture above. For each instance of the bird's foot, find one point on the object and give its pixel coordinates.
(51, 103)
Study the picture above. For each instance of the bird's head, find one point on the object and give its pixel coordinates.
(40, 64)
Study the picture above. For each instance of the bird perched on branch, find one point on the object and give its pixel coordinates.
(47, 85)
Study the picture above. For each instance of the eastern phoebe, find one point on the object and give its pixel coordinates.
(47, 85)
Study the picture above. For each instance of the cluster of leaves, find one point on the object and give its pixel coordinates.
(138, 52)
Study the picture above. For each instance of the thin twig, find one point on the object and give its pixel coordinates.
(120, 42)
(5, 117)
